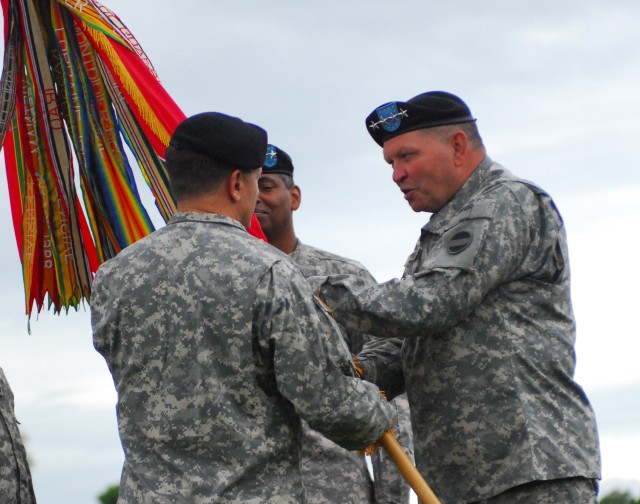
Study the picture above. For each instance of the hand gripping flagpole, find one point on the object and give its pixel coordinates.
(392, 447)
(408, 470)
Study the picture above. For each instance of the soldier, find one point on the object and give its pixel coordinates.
(331, 474)
(485, 312)
(216, 344)
(15, 478)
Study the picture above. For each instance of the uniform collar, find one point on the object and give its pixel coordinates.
(442, 217)
(206, 218)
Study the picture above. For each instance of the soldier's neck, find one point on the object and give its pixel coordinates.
(286, 242)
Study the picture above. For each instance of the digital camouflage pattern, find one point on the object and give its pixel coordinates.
(331, 474)
(488, 356)
(567, 490)
(217, 349)
(15, 478)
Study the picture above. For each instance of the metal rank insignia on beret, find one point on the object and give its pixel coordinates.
(389, 117)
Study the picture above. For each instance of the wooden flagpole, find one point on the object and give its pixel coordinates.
(408, 470)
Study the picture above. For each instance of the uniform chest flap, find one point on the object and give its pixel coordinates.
(460, 242)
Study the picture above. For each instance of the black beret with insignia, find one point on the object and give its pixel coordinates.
(277, 161)
(427, 110)
(224, 138)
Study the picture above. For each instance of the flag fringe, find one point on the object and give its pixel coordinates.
(130, 87)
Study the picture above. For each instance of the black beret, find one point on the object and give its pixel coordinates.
(427, 110)
(277, 161)
(223, 138)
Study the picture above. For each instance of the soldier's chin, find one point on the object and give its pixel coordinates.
(415, 205)
(419, 204)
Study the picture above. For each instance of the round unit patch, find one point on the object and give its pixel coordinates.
(459, 242)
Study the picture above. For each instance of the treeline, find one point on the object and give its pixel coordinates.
(618, 497)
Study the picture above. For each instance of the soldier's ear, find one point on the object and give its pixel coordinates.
(296, 197)
(460, 146)
(234, 185)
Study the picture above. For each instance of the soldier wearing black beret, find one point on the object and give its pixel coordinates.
(427, 110)
(330, 473)
(204, 149)
(217, 347)
(484, 308)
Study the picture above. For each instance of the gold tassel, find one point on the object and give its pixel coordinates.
(358, 367)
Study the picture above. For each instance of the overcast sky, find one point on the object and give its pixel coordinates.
(554, 86)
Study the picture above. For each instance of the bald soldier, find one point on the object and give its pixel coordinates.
(484, 308)
(331, 474)
(216, 344)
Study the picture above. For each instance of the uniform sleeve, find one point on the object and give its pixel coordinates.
(380, 362)
(464, 265)
(15, 476)
(6, 394)
(310, 361)
(105, 317)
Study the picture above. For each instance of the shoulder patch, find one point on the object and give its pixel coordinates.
(459, 241)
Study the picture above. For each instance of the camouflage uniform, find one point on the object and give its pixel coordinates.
(488, 357)
(15, 477)
(217, 349)
(566, 490)
(330, 473)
